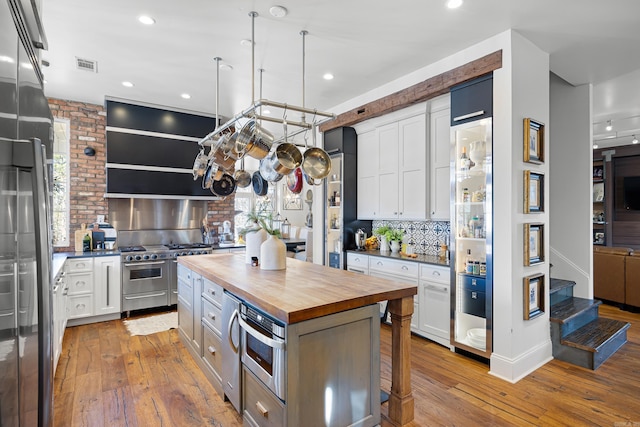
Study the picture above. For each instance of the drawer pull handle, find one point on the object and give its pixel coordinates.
(357, 259)
(404, 267)
(263, 411)
(212, 316)
(212, 350)
(380, 263)
(468, 116)
(212, 292)
(80, 306)
(435, 273)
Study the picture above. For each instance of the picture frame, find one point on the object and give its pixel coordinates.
(598, 172)
(533, 192)
(598, 192)
(533, 141)
(291, 201)
(533, 292)
(533, 239)
(598, 237)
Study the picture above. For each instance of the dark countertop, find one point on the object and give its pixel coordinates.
(426, 259)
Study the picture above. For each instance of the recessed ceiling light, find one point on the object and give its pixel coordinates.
(245, 42)
(186, 96)
(328, 76)
(278, 11)
(454, 4)
(226, 67)
(127, 84)
(609, 126)
(8, 59)
(146, 20)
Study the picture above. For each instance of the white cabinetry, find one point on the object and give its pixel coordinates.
(397, 271)
(392, 165)
(107, 284)
(434, 302)
(431, 318)
(59, 315)
(368, 159)
(440, 152)
(80, 301)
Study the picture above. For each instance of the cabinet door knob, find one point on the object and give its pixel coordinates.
(212, 350)
(212, 292)
(212, 316)
(263, 411)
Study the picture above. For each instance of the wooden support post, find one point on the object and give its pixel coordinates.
(401, 399)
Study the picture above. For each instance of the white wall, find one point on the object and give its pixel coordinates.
(521, 89)
(571, 157)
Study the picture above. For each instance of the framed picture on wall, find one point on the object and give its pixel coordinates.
(533, 141)
(533, 292)
(533, 192)
(533, 244)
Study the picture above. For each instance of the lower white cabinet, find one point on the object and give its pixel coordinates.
(435, 293)
(107, 284)
(80, 297)
(431, 317)
(59, 312)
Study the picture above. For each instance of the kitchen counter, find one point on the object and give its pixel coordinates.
(307, 291)
(425, 259)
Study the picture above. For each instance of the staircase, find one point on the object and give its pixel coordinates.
(578, 335)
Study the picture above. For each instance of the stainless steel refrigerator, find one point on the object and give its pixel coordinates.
(26, 375)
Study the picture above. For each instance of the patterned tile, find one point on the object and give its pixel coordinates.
(425, 236)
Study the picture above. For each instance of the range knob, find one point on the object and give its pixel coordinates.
(175, 254)
(190, 253)
(138, 258)
(145, 257)
(183, 253)
(154, 256)
(129, 258)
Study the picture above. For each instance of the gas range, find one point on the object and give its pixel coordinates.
(162, 252)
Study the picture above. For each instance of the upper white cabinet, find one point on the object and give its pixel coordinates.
(439, 156)
(392, 166)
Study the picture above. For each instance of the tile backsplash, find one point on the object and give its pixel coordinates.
(425, 236)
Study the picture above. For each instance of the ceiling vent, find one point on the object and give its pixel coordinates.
(86, 65)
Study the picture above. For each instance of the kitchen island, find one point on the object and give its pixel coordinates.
(304, 292)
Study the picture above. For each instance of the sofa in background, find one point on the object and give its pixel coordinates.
(632, 280)
(609, 272)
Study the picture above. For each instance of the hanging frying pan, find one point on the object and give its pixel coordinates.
(260, 185)
(212, 174)
(224, 187)
(242, 177)
(294, 181)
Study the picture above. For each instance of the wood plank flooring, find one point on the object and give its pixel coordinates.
(107, 378)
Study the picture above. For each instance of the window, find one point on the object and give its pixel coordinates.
(61, 183)
(246, 200)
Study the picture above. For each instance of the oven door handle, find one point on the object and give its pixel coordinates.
(135, 264)
(229, 332)
(278, 345)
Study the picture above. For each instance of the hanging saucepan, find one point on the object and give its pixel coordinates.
(226, 160)
(242, 177)
(214, 173)
(200, 164)
(267, 171)
(310, 180)
(260, 185)
(316, 162)
(294, 181)
(224, 187)
(253, 140)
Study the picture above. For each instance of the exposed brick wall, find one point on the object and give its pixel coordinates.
(88, 174)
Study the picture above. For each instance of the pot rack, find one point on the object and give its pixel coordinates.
(253, 111)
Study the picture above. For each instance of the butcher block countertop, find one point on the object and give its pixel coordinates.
(301, 292)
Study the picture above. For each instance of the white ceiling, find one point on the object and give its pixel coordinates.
(363, 43)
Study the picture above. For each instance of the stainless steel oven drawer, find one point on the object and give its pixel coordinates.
(261, 407)
(145, 300)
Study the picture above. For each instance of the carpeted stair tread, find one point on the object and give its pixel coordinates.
(566, 310)
(595, 334)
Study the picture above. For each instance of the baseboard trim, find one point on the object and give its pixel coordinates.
(514, 369)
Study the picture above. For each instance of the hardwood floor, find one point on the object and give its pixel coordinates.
(106, 377)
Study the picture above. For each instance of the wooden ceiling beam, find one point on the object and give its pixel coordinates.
(420, 92)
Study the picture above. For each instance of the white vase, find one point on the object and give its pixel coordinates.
(253, 240)
(273, 254)
(384, 244)
(395, 246)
